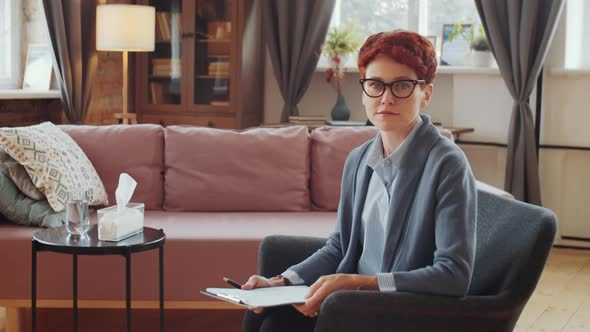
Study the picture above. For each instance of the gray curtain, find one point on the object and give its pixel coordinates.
(520, 32)
(295, 31)
(72, 30)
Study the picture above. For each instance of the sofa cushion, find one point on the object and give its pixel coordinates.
(261, 169)
(137, 150)
(200, 249)
(18, 174)
(54, 161)
(22, 210)
(330, 147)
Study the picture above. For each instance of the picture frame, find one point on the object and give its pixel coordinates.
(38, 68)
(456, 39)
(432, 40)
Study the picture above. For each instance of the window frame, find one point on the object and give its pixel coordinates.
(13, 51)
(418, 20)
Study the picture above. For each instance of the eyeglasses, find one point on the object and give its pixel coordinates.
(400, 88)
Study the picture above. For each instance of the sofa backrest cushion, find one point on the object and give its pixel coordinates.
(137, 150)
(261, 169)
(329, 148)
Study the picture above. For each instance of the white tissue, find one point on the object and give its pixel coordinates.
(124, 190)
(118, 222)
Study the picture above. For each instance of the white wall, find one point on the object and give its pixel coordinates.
(566, 112)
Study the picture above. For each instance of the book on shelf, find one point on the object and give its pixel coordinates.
(219, 30)
(219, 68)
(165, 61)
(167, 25)
(166, 74)
(218, 73)
(166, 67)
(220, 92)
(309, 123)
(219, 103)
(307, 118)
(160, 94)
(162, 28)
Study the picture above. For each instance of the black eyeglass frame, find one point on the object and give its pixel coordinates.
(390, 85)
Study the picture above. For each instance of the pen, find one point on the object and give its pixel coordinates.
(233, 283)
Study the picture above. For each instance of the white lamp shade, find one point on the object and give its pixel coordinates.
(125, 28)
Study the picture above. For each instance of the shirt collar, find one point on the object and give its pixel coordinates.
(376, 158)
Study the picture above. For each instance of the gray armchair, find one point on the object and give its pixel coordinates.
(513, 242)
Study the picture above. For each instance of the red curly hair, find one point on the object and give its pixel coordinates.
(404, 47)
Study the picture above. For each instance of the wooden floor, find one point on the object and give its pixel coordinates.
(561, 301)
(2, 319)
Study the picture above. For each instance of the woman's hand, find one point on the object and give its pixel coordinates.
(257, 281)
(327, 285)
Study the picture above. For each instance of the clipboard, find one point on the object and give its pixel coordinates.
(260, 297)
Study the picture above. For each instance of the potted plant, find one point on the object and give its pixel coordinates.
(480, 50)
(339, 43)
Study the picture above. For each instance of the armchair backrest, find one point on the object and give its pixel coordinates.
(513, 242)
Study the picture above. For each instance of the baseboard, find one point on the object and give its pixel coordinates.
(573, 242)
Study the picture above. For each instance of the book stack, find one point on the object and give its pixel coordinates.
(308, 119)
(224, 103)
(219, 68)
(166, 67)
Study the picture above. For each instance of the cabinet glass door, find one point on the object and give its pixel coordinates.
(164, 64)
(213, 36)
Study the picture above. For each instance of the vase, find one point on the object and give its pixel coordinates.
(482, 58)
(340, 111)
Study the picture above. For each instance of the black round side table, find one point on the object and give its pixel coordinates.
(58, 240)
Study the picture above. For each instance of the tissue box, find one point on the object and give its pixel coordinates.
(115, 225)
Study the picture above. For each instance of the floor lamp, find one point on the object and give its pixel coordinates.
(126, 28)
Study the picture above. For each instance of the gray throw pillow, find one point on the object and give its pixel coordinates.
(19, 176)
(21, 210)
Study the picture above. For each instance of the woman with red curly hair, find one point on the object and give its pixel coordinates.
(407, 212)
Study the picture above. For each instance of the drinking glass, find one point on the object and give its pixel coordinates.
(77, 214)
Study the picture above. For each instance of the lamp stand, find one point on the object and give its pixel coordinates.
(125, 117)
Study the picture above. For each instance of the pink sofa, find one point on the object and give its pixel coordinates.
(215, 193)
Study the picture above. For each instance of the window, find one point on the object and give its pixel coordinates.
(423, 16)
(577, 47)
(10, 68)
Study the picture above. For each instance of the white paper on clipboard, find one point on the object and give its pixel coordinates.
(260, 297)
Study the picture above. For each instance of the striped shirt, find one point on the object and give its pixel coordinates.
(376, 211)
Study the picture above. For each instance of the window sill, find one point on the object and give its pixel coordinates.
(29, 94)
(468, 70)
(441, 70)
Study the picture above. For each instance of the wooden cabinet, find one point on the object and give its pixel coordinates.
(207, 68)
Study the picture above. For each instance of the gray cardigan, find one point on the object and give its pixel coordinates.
(431, 244)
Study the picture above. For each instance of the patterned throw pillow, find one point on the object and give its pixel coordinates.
(54, 161)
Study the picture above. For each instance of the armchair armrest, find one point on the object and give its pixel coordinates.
(381, 311)
(278, 252)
